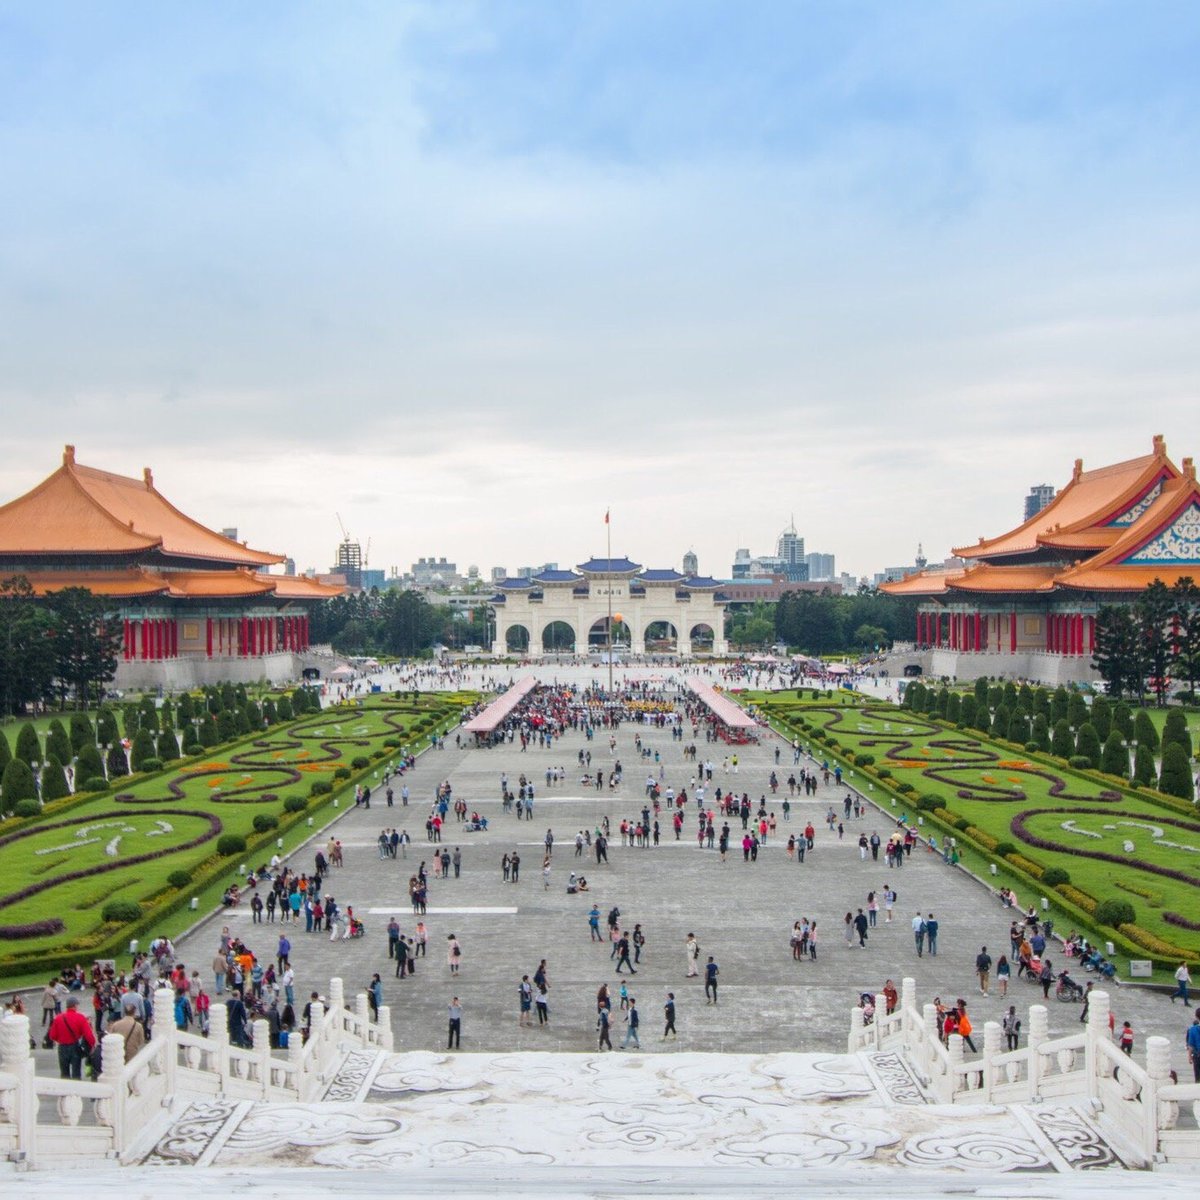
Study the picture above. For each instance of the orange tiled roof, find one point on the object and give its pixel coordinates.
(115, 584)
(921, 583)
(1079, 516)
(988, 578)
(300, 587)
(216, 584)
(81, 510)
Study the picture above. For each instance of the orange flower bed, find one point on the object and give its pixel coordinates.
(1013, 764)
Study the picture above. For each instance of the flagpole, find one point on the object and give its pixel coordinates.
(608, 529)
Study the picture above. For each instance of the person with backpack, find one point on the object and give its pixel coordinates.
(633, 1020)
(711, 971)
(72, 1033)
(1012, 1027)
(692, 953)
(983, 967)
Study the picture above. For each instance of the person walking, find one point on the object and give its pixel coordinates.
(1012, 1027)
(454, 1039)
(669, 1015)
(128, 1026)
(983, 968)
(1182, 979)
(525, 993)
(453, 954)
(1192, 1040)
(633, 1020)
(692, 952)
(594, 924)
(1003, 974)
(931, 934)
(375, 996)
(965, 1027)
(639, 940)
(542, 1001)
(623, 954)
(918, 928)
(72, 1033)
(860, 927)
(602, 1022)
(711, 971)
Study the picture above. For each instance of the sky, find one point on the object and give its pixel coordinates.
(470, 274)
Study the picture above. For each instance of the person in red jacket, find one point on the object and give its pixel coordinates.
(72, 1032)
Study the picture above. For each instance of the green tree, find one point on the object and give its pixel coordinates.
(1018, 728)
(1060, 703)
(1176, 777)
(1176, 730)
(131, 720)
(58, 745)
(1119, 655)
(1001, 721)
(1123, 720)
(16, 784)
(1087, 744)
(283, 706)
(187, 708)
(953, 712)
(967, 707)
(981, 691)
(1144, 767)
(118, 762)
(5, 752)
(29, 746)
(85, 644)
(1144, 731)
(54, 780)
(210, 735)
(166, 716)
(26, 647)
(1153, 610)
(1101, 716)
(1077, 710)
(167, 746)
(143, 748)
(81, 732)
(1061, 742)
(89, 764)
(107, 732)
(1185, 601)
(1041, 732)
(1041, 703)
(148, 715)
(1115, 758)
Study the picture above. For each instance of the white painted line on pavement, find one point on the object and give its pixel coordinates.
(431, 910)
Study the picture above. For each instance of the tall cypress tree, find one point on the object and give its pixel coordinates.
(1176, 777)
(1114, 759)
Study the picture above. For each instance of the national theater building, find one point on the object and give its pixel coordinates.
(1025, 604)
(193, 606)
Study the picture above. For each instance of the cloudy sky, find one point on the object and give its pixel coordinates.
(468, 274)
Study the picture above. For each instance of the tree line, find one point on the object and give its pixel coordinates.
(394, 621)
(1144, 645)
(53, 648)
(1108, 736)
(824, 622)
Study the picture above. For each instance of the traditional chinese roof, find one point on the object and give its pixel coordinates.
(117, 585)
(1089, 513)
(697, 583)
(659, 576)
(301, 587)
(1116, 529)
(609, 566)
(182, 585)
(83, 511)
(557, 577)
(514, 585)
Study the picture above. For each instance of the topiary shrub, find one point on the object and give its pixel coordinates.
(142, 750)
(928, 802)
(294, 804)
(179, 879)
(152, 764)
(904, 788)
(1004, 849)
(121, 912)
(360, 762)
(1080, 762)
(1054, 876)
(864, 760)
(1032, 747)
(17, 783)
(264, 822)
(1113, 912)
(883, 773)
(342, 773)
(962, 824)
(230, 843)
(27, 808)
(96, 784)
(321, 788)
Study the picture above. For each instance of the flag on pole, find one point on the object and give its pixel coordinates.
(606, 511)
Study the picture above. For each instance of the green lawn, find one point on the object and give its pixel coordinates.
(1054, 817)
(67, 863)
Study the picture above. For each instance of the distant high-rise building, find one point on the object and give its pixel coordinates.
(349, 563)
(821, 567)
(1039, 496)
(230, 532)
(691, 564)
(372, 578)
(289, 566)
(741, 563)
(499, 573)
(790, 547)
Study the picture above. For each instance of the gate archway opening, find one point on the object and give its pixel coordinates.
(661, 636)
(702, 638)
(558, 637)
(516, 639)
(622, 636)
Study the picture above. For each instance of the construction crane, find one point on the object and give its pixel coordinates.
(342, 527)
(367, 554)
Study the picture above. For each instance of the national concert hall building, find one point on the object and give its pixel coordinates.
(193, 605)
(1025, 604)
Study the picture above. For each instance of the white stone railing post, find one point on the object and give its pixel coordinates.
(362, 1010)
(1096, 1031)
(880, 1014)
(956, 1079)
(929, 1039)
(164, 1027)
(337, 995)
(218, 1035)
(17, 1059)
(1039, 1032)
(387, 1039)
(260, 1033)
(993, 1036)
(908, 1004)
(112, 1072)
(854, 1041)
(1157, 1114)
(295, 1053)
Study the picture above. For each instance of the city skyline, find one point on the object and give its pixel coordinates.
(471, 275)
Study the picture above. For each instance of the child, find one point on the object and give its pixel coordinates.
(624, 994)
(1126, 1038)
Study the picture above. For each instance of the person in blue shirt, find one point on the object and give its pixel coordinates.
(711, 971)
(634, 1020)
(931, 934)
(1193, 1045)
(375, 996)
(594, 924)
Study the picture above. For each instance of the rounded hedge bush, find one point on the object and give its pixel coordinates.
(1004, 849)
(1054, 876)
(294, 804)
(27, 808)
(230, 843)
(264, 822)
(342, 773)
(152, 764)
(360, 762)
(904, 788)
(928, 802)
(1080, 762)
(1115, 912)
(321, 788)
(98, 784)
(121, 912)
(962, 824)
(883, 773)
(1032, 747)
(864, 760)
(179, 879)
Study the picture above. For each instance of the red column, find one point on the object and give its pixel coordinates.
(242, 637)
(1091, 641)
(174, 628)
(304, 629)
(978, 631)
(1012, 631)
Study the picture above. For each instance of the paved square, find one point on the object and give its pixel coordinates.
(741, 913)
